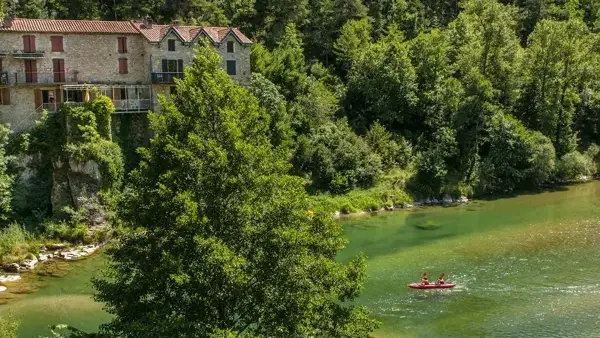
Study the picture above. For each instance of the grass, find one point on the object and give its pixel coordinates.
(388, 193)
(16, 244)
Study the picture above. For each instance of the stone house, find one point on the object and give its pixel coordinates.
(44, 63)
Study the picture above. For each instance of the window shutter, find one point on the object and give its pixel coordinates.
(32, 43)
(125, 45)
(57, 43)
(123, 66)
(5, 96)
(26, 45)
(122, 44)
(38, 98)
(180, 65)
(165, 65)
(59, 94)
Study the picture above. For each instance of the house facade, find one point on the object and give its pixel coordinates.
(45, 63)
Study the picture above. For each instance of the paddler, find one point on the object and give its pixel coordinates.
(441, 279)
(424, 280)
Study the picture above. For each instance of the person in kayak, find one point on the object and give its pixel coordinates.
(441, 279)
(425, 280)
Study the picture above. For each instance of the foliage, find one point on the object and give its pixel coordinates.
(337, 160)
(217, 222)
(390, 192)
(6, 177)
(575, 166)
(393, 154)
(16, 243)
(517, 157)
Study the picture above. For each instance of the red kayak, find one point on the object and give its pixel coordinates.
(431, 286)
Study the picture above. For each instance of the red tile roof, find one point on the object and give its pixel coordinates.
(189, 33)
(70, 26)
(154, 34)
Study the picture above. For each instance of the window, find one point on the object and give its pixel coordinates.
(171, 43)
(29, 43)
(58, 66)
(57, 43)
(123, 66)
(4, 96)
(231, 67)
(122, 45)
(230, 47)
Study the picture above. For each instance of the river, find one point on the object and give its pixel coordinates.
(526, 266)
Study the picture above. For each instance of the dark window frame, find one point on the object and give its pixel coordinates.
(171, 43)
(231, 67)
(230, 47)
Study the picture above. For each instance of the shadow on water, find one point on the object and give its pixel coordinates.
(527, 192)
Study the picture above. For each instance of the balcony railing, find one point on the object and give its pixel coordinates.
(166, 78)
(3, 78)
(41, 78)
(3, 53)
(121, 106)
(27, 54)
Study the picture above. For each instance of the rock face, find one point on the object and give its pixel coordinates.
(29, 264)
(72, 180)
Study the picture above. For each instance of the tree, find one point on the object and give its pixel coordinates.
(559, 63)
(6, 178)
(220, 239)
(335, 159)
(354, 38)
(280, 129)
(392, 153)
(381, 86)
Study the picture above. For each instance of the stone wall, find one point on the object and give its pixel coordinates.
(20, 113)
(242, 57)
(91, 58)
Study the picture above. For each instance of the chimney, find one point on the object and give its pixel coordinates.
(175, 23)
(147, 22)
(8, 19)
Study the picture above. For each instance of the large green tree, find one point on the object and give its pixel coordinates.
(220, 238)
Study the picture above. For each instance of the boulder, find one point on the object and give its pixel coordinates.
(9, 278)
(58, 246)
(29, 264)
(463, 200)
(13, 267)
(45, 257)
(2, 288)
(447, 200)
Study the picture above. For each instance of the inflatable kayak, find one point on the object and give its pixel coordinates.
(431, 286)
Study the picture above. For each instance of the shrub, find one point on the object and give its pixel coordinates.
(575, 166)
(15, 243)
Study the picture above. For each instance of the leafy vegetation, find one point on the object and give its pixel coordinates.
(215, 218)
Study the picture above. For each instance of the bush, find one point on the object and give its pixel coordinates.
(393, 153)
(16, 243)
(336, 159)
(575, 166)
(66, 232)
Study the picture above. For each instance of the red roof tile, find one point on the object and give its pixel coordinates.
(154, 34)
(70, 26)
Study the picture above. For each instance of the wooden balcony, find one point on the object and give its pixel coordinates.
(166, 78)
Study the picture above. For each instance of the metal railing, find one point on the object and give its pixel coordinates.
(133, 105)
(43, 78)
(124, 105)
(27, 54)
(158, 78)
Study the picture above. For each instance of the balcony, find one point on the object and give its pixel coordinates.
(3, 53)
(26, 54)
(166, 78)
(126, 98)
(40, 78)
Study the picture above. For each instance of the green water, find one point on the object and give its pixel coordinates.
(527, 266)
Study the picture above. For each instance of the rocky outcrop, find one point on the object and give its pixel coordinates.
(9, 278)
(73, 182)
(13, 267)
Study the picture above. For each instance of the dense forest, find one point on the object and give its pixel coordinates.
(452, 97)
